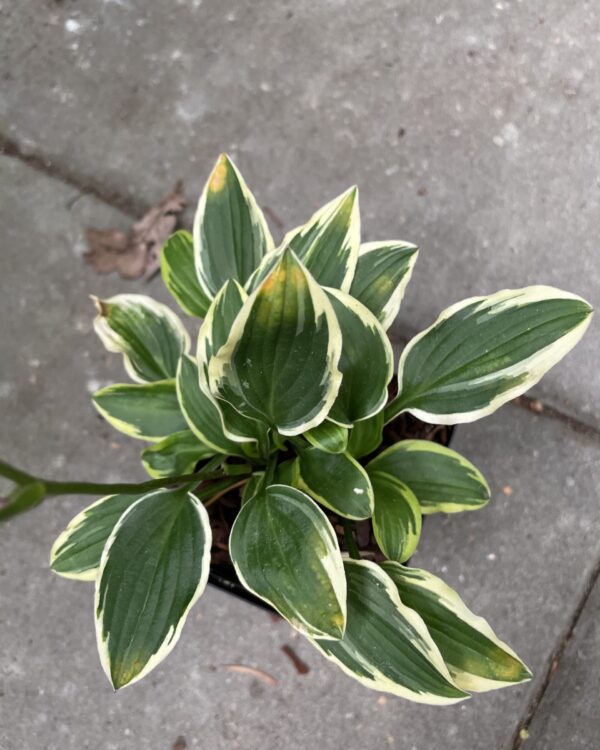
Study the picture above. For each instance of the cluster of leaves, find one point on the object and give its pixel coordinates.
(280, 404)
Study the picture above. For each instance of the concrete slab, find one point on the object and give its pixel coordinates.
(514, 562)
(567, 717)
(470, 129)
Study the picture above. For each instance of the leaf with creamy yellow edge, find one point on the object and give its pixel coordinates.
(231, 235)
(179, 274)
(396, 516)
(154, 567)
(476, 658)
(279, 364)
(386, 645)
(484, 351)
(149, 335)
(286, 552)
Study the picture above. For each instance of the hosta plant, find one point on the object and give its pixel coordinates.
(279, 407)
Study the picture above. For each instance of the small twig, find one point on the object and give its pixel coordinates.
(220, 494)
(258, 673)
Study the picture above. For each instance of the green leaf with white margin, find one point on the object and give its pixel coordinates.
(366, 363)
(382, 274)
(252, 486)
(328, 437)
(366, 436)
(386, 645)
(396, 517)
(231, 235)
(279, 364)
(285, 551)
(442, 480)
(149, 411)
(476, 658)
(484, 351)
(154, 567)
(149, 335)
(337, 481)
(77, 551)
(176, 455)
(213, 334)
(200, 411)
(178, 270)
(329, 241)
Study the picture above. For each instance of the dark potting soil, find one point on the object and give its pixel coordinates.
(222, 513)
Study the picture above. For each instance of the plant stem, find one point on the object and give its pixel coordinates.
(393, 409)
(218, 495)
(14, 474)
(350, 541)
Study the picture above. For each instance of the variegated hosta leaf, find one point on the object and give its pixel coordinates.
(77, 551)
(477, 659)
(382, 274)
(179, 274)
(252, 486)
(366, 363)
(442, 480)
(366, 436)
(285, 551)
(386, 645)
(279, 364)
(337, 481)
(149, 335)
(154, 567)
(200, 411)
(484, 351)
(231, 235)
(329, 241)
(149, 411)
(287, 472)
(328, 437)
(396, 516)
(176, 455)
(213, 334)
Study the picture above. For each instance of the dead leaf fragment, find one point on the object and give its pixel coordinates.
(179, 744)
(136, 254)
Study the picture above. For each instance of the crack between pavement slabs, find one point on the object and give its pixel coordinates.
(86, 185)
(517, 739)
(135, 209)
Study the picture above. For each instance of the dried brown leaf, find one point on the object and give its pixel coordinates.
(136, 254)
(253, 671)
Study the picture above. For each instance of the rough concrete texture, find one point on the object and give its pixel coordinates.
(471, 128)
(522, 562)
(568, 715)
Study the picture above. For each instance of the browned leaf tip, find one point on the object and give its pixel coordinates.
(136, 254)
(301, 666)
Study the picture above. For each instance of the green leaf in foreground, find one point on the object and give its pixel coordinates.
(285, 551)
(279, 364)
(328, 437)
(329, 241)
(149, 335)
(366, 363)
(337, 481)
(179, 274)
(154, 567)
(148, 412)
(382, 274)
(484, 351)
(366, 436)
(477, 659)
(396, 517)
(230, 232)
(176, 455)
(77, 551)
(386, 645)
(442, 480)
